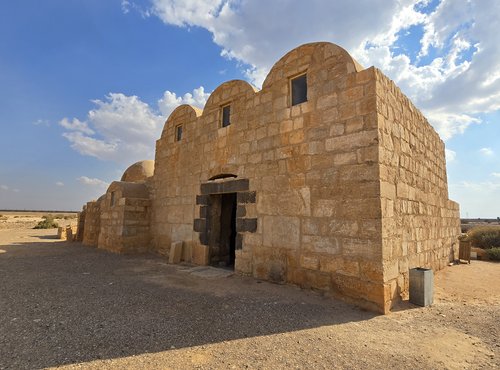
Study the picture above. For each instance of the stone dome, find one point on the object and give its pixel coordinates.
(139, 171)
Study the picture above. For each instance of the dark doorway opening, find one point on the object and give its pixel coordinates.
(223, 229)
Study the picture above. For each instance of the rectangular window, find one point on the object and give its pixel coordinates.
(226, 115)
(112, 200)
(178, 133)
(299, 89)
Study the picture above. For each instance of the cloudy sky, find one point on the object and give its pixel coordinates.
(85, 86)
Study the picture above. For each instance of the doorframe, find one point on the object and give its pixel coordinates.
(244, 196)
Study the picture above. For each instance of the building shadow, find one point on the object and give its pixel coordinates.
(78, 304)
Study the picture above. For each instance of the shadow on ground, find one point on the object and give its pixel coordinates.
(65, 303)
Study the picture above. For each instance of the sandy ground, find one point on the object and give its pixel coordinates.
(69, 306)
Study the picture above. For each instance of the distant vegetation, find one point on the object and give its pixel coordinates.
(47, 223)
(487, 238)
(484, 237)
(493, 254)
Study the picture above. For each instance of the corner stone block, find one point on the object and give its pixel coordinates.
(204, 239)
(199, 225)
(246, 224)
(175, 253)
(246, 197)
(202, 200)
(241, 211)
(203, 211)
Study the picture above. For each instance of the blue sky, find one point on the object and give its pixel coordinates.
(85, 86)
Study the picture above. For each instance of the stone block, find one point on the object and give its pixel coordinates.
(241, 211)
(309, 262)
(202, 199)
(61, 233)
(349, 267)
(246, 197)
(200, 225)
(200, 254)
(243, 263)
(246, 224)
(187, 251)
(281, 231)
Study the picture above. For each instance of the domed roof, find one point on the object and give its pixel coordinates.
(139, 171)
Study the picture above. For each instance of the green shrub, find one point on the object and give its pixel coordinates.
(493, 254)
(484, 237)
(47, 223)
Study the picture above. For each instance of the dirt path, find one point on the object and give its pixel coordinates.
(70, 306)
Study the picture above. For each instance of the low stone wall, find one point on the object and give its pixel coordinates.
(81, 224)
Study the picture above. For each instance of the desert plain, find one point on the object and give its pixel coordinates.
(65, 305)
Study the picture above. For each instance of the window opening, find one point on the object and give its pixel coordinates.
(226, 115)
(222, 176)
(178, 133)
(299, 89)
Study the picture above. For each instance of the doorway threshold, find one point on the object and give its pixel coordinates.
(209, 272)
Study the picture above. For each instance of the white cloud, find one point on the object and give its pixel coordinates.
(76, 125)
(450, 155)
(495, 174)
(125, 6)
(453, 75)
(251, 31)
(170, 100)
(59, 183)
(123, 128)
(6, 188)
(488, 152)
(93, 181)
(41, 122)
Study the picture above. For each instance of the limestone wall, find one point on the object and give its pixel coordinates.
(92, 224)
(125, 218)
(420, 225)
(313, 169)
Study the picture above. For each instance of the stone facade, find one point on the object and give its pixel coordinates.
(342, 193)
(124, 213)
(91, 222)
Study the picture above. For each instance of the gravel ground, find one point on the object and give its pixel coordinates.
(66, 305)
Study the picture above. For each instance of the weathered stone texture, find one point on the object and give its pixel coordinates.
(92, 224)
(420, 224)
(81, 224)
(125, 218)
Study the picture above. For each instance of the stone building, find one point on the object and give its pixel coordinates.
(328, 178)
